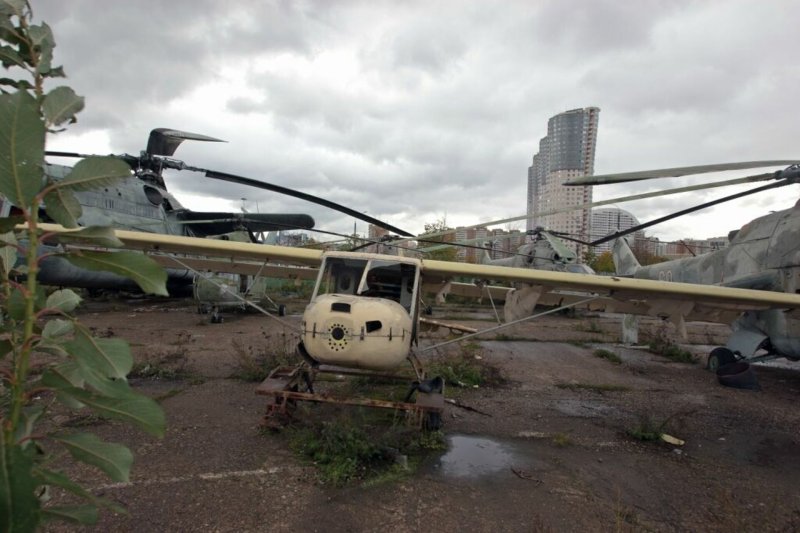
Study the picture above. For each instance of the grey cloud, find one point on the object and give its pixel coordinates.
(448, 100)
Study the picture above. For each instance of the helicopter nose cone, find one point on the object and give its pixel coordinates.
(357, 331)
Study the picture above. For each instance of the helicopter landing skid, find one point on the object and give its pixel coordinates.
(289, 385)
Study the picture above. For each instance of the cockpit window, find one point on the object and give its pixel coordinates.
(341, 276)
(375, 278)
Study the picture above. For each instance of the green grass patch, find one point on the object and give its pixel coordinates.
(608, 355)
(359, 447)
(671, 351)
(169, 364)
(562, 440)
(467, 368)
(647, 430)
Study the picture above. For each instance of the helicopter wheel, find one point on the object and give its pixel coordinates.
(216, 318)
(720, 357)
(281, 310)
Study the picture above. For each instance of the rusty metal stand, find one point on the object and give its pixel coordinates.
(288, 385)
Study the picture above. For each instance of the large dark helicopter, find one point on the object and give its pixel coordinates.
(145, 204)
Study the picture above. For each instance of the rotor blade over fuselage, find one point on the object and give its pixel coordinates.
(600, 179)
(216, 223)
(303, 196)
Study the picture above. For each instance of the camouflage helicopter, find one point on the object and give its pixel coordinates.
(763, 255)
(545, 252)
(145, 204)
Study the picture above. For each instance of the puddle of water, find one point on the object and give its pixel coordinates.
(472, 457)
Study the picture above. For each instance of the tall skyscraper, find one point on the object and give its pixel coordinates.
(566, 152)
(608, 220)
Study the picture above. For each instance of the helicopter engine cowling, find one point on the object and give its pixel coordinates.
(357, 331)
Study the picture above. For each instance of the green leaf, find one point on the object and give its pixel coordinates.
(30, 415)
(57, 328)
(63, 207)
(96, 235)
(52, 349)
(109, 357)
(21, 148)
(59, 479)
(135, 408)
(65, 376)
(43, 41)
(5, 348)
(9, 223)
(14, 7)
(64, 300)
(17, 84)
(56, 72)
(19, 506)
(136, 266)
(9, 57)
(41, 35)
(93, 172)
(8, 252)
(16, 304)
(61, 105)
(78, 514)
(113, 459)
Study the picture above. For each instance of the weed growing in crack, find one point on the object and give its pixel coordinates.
(662, 345)
(562, 440)
(608, 355)
(466, 368)
(255, 363)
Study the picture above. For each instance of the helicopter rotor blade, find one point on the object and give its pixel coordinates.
(601, 179)
(617, 200)
(218, 222)
(303, 196)
(164, 141)
(682, 212)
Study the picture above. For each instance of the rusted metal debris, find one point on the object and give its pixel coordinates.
(289, 385)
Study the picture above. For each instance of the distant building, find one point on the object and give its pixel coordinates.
(292, 239)
(501, 243)
(607, 220)
(476, 237)
(566, 152)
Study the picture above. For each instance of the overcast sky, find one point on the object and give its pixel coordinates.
(413, 111)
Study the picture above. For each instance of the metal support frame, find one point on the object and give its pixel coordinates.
(285, 384)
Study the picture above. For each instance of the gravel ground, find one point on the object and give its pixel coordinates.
(549, 450)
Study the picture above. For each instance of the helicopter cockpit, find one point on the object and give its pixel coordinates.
(377, 278)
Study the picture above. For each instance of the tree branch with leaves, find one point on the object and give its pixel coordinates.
(80, 372)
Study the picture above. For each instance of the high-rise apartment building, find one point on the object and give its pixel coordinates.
(608, 220)
(566, 152)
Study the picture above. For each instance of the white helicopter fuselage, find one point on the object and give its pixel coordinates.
(363, 311)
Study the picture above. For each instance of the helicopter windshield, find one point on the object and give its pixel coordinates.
(341, 276)
(376, 278)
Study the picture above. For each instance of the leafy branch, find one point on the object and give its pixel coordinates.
(81, 371)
